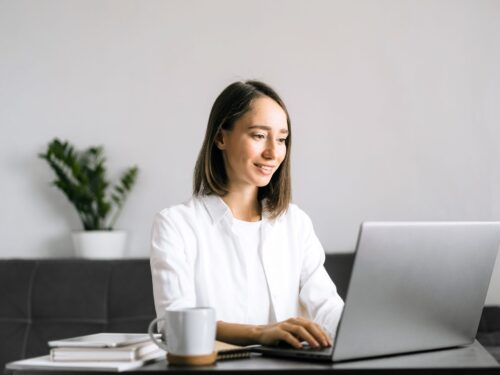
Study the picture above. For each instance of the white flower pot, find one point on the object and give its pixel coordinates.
(99, 244)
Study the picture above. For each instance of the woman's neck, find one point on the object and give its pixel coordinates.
(244, 205)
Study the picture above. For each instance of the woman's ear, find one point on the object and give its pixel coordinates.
(220, 140)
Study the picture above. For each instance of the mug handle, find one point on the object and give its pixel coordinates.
(152, 336)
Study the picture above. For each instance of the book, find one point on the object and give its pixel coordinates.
(132, 352)
(230, 351)
(101, 340)
(45, 363)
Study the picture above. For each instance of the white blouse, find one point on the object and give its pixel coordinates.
(197, 259)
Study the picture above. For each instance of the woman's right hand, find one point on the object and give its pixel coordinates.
(293, 331)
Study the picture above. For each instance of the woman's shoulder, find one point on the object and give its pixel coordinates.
(190, 208)
(294, 214)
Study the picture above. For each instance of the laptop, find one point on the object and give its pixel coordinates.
(414, 286)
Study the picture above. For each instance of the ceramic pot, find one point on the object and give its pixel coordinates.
(99, 244)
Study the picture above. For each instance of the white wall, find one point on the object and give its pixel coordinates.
(394, 104)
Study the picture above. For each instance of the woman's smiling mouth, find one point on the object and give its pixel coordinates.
(267, 169)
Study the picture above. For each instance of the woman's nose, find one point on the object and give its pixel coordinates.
(270, 150)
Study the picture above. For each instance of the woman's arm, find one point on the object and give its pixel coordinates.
(318, 294)
(293, 331)
(171, 271)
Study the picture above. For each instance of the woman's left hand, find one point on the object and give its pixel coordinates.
(293, 331)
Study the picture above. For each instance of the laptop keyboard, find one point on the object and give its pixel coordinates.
(305, 347)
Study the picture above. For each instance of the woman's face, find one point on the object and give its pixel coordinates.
(255, 147)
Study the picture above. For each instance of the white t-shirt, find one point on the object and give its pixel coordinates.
(258, 307)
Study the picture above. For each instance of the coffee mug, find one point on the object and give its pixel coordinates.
(189, 335)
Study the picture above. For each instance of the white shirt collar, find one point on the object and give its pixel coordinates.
(216, 207)
(218, 210)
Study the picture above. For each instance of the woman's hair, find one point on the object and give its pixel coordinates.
(210, 175)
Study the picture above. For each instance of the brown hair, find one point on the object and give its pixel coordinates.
(210, 174)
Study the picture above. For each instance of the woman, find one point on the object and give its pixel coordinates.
(239, 245)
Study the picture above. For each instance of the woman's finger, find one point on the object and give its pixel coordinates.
(314, 329)
(289, 338)
(301, 333)
(319, 331)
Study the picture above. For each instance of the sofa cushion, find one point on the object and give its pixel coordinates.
(130, 297)
(339, 268)
(488, 333)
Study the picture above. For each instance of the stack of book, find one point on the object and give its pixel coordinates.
(113, 352)
(100, 352)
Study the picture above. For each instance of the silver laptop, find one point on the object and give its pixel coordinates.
(415, 286)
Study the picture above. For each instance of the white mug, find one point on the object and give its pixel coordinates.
(187, 332)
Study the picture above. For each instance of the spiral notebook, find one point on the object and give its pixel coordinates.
(230, 351)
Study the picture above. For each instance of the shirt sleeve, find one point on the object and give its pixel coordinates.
(318, 294)
(171, 271)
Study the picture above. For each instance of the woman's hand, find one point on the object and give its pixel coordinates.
(293, 331)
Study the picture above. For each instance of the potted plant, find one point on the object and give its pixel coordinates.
(81, 176)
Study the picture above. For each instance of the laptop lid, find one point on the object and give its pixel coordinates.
(416, 286)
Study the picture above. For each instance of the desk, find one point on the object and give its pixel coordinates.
(472, 359)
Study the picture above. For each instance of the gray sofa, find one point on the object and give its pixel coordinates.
(50, 299)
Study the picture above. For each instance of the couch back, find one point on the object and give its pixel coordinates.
(47, 299)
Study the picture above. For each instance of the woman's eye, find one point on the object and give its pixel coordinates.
(259, 136)
(282, 140)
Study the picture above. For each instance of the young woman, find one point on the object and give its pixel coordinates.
(239, 245)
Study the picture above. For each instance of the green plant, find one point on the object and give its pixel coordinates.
(81, 176)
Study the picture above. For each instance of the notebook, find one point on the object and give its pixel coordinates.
(229, 351)
(131, 352)
(415, 286)
(101, 340)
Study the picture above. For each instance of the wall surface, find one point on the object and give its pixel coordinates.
(394, 105)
